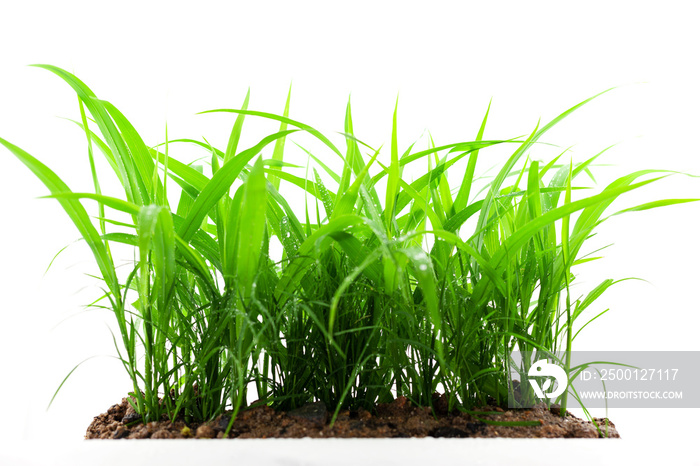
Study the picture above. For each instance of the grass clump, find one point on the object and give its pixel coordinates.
(423, 287)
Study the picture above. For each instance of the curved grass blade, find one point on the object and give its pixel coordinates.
(495, 185)
(134, 182)
(65, 379)
(286, 120)
(75, 211)
(220, 184)
(140, 156)
(112, 202)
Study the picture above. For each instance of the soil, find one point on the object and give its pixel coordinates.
(396, 419)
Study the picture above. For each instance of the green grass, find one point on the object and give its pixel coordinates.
(426, 286)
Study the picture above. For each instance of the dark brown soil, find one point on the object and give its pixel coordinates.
(396, 419)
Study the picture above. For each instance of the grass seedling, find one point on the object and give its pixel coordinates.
(423, 287)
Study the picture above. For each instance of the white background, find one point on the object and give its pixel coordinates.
(166, 61)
